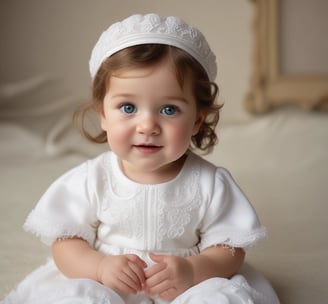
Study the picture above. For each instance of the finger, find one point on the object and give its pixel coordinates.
(136, 274)
(135, 259)
(169, 294)
(156, 258)
(123, 287)
(131, 279)
(140, 274)
(156, 279)
(129, 282)
(153, 270)
(159, 288)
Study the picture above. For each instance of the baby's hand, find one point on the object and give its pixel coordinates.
(170, 277)
(123, 273)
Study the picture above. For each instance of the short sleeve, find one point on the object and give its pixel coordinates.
(65, 210)
(229, 219)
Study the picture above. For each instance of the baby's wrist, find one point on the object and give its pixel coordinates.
(99, 272)
(191, 272)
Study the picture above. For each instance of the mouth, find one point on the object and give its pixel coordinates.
(147, 148)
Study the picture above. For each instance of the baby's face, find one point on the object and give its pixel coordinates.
(150, 119)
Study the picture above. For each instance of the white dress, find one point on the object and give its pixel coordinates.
(199, 208)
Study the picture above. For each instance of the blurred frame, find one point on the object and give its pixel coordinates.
(269, 86)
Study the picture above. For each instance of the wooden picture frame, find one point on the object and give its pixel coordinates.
(269, 86)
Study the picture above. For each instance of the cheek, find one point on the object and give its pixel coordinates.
(112, 126)
(181, 135)
(116, 135)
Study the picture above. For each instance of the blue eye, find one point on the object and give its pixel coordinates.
(169, 110)
(128, 108)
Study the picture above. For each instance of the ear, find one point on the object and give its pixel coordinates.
(198, 122)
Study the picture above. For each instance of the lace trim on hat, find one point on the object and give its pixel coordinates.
(152, 28)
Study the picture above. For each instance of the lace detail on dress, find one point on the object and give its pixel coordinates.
(234, 239)
(120, 206)
(49, 232)
(150, 214)
(167, 216)
(176, 217)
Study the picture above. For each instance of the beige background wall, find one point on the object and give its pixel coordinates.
(55, 38)
(304, 45)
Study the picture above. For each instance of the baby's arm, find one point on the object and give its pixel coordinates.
(76, 259)
(219, 261)
(173, 275)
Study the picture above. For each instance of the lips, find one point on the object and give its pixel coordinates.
(147, 148)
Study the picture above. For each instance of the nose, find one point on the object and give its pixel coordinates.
(148, 125)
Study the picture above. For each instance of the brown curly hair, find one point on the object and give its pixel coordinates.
(205, 92)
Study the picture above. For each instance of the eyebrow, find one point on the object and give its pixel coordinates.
(179, 98)
(122, 95)
(128, 96)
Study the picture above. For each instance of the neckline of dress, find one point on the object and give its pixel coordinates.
(122, 177)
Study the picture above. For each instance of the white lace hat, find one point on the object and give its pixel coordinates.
(152, 28)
